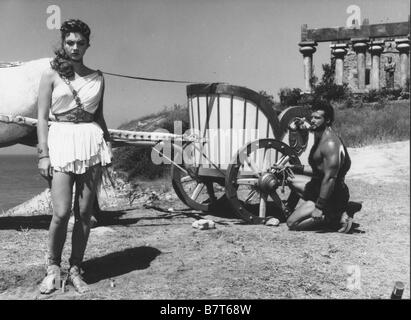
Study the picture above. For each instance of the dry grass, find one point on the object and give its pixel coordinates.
(374, 123)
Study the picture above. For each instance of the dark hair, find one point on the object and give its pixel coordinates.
(325, 106)
(61, 62)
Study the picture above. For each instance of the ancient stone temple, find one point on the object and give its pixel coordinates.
(367, 57)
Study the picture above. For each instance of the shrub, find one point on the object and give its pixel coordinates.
(390, 93)
(405, 95)
(327, 89)
(176, 113)
(135, 162)
(268, 96)
(289, 97)
(306, 99)
(372, 96)
(330, 92)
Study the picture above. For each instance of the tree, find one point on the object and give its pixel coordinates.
(290, 97)
(327, 89)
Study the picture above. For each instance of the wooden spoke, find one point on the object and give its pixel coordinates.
(197, 191)
(252, 165)
(267, 160)
(190, 188)
(186, 179)
(283, 160)
(247, 181)
(250, 196)
(263, 206)
(239, 183)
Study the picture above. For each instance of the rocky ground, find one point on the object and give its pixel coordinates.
(146, 247)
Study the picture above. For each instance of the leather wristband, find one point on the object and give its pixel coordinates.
(42, 150)
(320, 203)
(298, 168)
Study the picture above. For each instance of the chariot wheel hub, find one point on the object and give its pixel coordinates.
(267, 182)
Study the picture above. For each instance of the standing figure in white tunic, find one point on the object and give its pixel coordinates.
(73, 150)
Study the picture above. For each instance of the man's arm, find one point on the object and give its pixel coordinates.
(301, 169)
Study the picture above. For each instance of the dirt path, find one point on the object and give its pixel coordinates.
(380, 164)
(142, 253)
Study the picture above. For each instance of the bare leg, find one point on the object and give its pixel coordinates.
(301, 218)
(96, 215)
(86, 188)
(297, 185)
(96, 209)
(61, 193)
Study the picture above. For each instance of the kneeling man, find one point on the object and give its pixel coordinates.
(321, 184)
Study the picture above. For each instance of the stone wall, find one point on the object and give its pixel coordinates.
(350, 67)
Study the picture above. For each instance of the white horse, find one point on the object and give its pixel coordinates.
(19, 86)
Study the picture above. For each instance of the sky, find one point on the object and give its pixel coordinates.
(250, 43)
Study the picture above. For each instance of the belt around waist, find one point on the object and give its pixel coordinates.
(337, 180)
(74, 121)
(75, 118)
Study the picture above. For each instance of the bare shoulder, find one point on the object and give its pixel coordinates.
(90, 71)
(330, 143)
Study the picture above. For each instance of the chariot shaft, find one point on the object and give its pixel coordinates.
(139, 138)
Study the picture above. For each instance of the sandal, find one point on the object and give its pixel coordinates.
(52, 280)
(77, 280)
(345, 223)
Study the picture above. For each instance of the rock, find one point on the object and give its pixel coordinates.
(272, 222)
(203, 224)
(38, 205)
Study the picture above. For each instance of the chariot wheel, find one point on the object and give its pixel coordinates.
(256, 190)
(199, 193)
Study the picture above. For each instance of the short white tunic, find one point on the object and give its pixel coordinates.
(75, 147)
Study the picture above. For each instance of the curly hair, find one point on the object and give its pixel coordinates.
(324, 105)
(61, 62)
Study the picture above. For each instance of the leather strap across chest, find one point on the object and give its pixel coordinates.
(78, 114)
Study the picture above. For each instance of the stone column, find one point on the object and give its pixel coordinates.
(339, 51)
(307, 48)
(375, 48)
(360, 46)
(403, 46)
